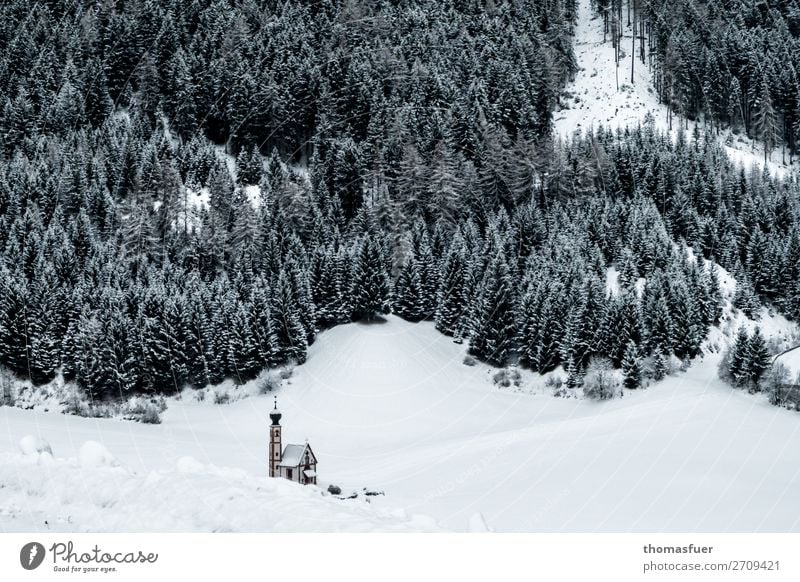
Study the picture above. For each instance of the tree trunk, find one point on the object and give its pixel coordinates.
(633, 48)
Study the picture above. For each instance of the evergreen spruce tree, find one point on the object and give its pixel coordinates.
(244, 352)
(660, 366)
(14, 343)
(745, 297)
(327, 288)
(551, 326)
(43, 326)
(574, 375)
(202, 365)
(296, 269)
(765, 126)
(493, 341)
(631, 367)
(262, 325)
(451, 302)
(658, 325)
(290, 335)
(428, 269)
(249, 167)
(757, 359)
(90, 370)
(118, 369)
(738, 358)
(408, 292)
(370, 289)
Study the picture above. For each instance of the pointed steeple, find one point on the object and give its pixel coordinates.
(275, 446)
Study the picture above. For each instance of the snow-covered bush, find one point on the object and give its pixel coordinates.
(724, 368)
(649, 370)
(600, 381)
(75, 405)
(93, 454)
(287, 371)
(78, 404)
(137, 408)
(506, 377)
(147, 411)
(150, 416)
(657, 367)
(556, 385)
(469, 360)
(775, 381)
(554, 381)
(780, 343)
(31, 445)
(268, 381)
(221, 398)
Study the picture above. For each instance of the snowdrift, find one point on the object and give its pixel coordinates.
(65, 495)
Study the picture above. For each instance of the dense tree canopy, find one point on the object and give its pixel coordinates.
(192, 190)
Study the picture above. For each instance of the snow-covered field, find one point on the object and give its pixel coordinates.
(391, 408)
(596, 101)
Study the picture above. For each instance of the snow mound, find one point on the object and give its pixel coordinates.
(79, 499)
(189, 465)
(94, 454)
(31, 445)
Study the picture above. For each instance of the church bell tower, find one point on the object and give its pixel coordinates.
(274, 440)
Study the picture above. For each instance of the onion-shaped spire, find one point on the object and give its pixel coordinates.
(275, 414)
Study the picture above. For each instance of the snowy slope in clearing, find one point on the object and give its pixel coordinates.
(595, 99)
(390, 407)
(776, 329)
(780, 333)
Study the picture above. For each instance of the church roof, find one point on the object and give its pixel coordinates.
(293, 455)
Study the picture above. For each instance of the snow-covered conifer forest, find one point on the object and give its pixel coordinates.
(196, 193)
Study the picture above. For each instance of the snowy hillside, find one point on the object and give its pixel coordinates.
(391, 408)
(595, 99)
(781, 332)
